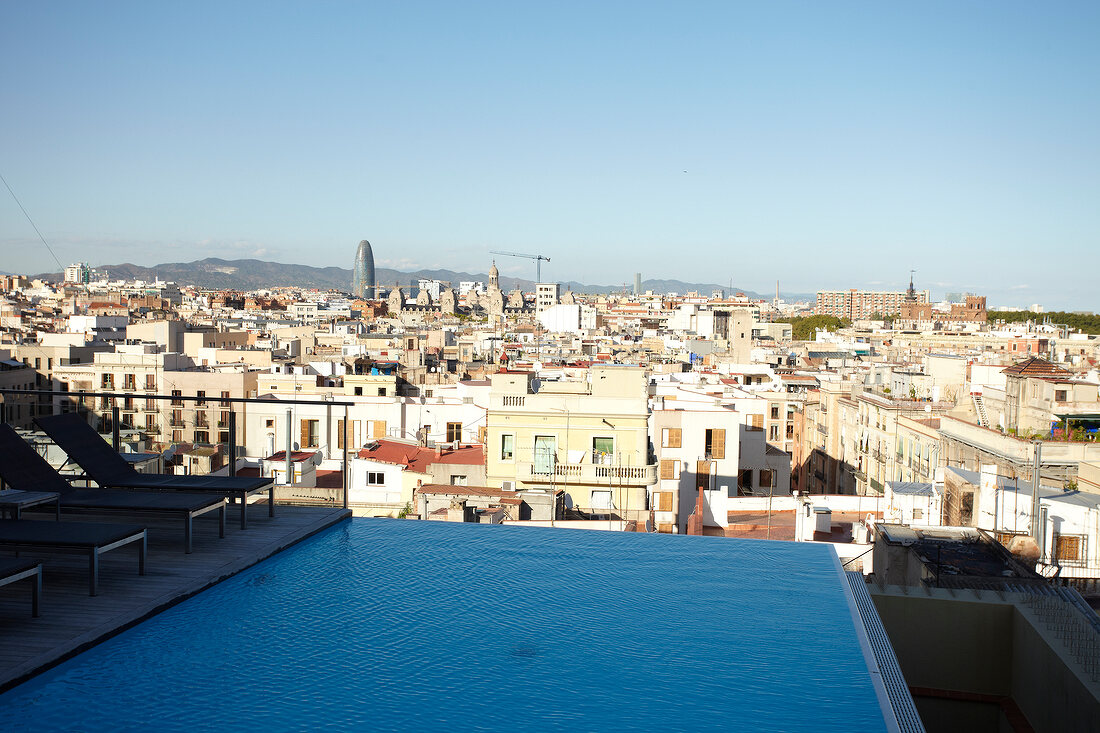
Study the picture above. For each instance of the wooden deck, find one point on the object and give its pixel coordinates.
(72, 621)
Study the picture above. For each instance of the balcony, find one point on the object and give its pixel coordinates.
(588, 473)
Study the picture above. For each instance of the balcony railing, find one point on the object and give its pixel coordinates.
(588, 473)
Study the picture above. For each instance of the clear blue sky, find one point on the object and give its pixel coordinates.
(828, 144)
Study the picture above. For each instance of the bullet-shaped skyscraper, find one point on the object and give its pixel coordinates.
(362, 284)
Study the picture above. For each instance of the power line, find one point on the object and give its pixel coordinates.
(18, 203)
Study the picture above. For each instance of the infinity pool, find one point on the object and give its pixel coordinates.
(382, 624)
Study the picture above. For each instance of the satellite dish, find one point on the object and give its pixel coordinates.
(568, 501)
(169, 454)
(648, 526)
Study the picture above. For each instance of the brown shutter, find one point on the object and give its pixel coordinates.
(757, 422)
(702, 475)
(378, 428)
(717, 443)
(674, 437)
(667, 469)
(305, 434)
(666, 501)
(340, 434)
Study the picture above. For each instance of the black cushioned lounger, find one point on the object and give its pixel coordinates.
(78, 538)
(22, 468)
(14, 569)
(111, 471)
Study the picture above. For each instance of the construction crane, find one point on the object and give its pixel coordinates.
(538, 279)
(537, 258)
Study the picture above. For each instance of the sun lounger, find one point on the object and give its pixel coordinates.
(14, 569)
(78, 538)
(109, 470)
(23, 469)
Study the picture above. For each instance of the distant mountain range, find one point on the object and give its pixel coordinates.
(256, 274)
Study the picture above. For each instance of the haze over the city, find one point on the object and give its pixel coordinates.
(827, 145)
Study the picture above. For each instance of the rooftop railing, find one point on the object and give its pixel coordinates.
(139, 423)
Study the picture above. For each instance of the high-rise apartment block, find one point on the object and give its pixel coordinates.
(855, 304)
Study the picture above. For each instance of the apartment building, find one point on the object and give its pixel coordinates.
(587, 438)
(1040, 397)
(698, 450)
(862, 304)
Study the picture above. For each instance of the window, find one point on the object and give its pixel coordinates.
(664, 501)
(177, 436)
(669, 469)
(151, 423)
(150, 381)
(454, 432)
(225, 398)
(200, 419)
(175, 394)
(381, 391)
(602, 451)
(107, 381)
(757, 422)
(201, 436)
(671, 437)
(507, 447)
(201, 394)
(223, 436)
(918, 513)
(458, 480)
(1069, 549)
(378, 428)
(359, 391)
(1059, 395)
(223, 420)
(311, 433)
(177, 418)
(767, 478)
(129, 381)
(773, 432)
(269, 423)
(715, 443)
(775, 412)
(375, 478)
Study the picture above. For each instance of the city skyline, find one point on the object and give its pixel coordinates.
(828, 148)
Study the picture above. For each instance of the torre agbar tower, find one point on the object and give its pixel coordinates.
(363, 285)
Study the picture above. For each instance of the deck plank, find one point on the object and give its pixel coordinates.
(72, 621)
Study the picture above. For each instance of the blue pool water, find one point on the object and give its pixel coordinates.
(396, 625)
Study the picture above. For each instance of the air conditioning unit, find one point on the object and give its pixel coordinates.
(508, 485)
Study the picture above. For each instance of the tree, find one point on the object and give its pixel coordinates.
(802, 328)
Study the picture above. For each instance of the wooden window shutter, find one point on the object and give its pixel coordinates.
(666, 501)
(758, 422)
(378, 428)
(305, 434)
(340, 434)
(718, 443)
(667, 469)
(674, 437)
